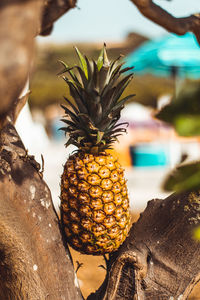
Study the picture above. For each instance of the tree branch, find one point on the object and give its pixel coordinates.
(160, 258)
(20, 22)
(161, 17)
(18, 25)
(34, 264)
(54, 9)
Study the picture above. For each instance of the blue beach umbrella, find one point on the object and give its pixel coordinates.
(167, 56)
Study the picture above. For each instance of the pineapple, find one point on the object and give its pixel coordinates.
(94, 201)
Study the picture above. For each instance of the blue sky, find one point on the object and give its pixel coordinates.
(111, 20)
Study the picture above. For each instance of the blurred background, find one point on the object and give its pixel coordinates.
(165, 66)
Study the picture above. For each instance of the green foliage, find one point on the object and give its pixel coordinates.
(187, 125)
(184, 178)
(83, 62)
(184, 114)
(96, 91)
(184, 111)
(100, 60)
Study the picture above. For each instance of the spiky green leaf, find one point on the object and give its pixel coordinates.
(77, 96)
(97, 108)
(83, 62)
(100, 135)
(65, 69)
(102, 59)
(126, 70)
(121, 86)
(122, 101)
(71, 105)
(72, 115)
(114, 63)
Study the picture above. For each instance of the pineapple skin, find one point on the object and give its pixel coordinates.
(94, 203)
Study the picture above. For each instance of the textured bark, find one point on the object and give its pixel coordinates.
(34, 264)
(161, 17)
(160, 259)
(20, 22)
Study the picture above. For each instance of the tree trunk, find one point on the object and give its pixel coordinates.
(161, 258)
(34, 264)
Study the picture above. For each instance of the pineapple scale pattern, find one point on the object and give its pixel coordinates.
(94, 203)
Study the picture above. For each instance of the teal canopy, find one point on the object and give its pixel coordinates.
(170, 55)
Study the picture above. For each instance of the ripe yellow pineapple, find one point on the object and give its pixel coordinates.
(94, 200)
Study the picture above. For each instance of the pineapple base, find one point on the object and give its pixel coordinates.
(94, 203)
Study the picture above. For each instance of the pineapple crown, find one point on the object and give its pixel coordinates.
(96, 87)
